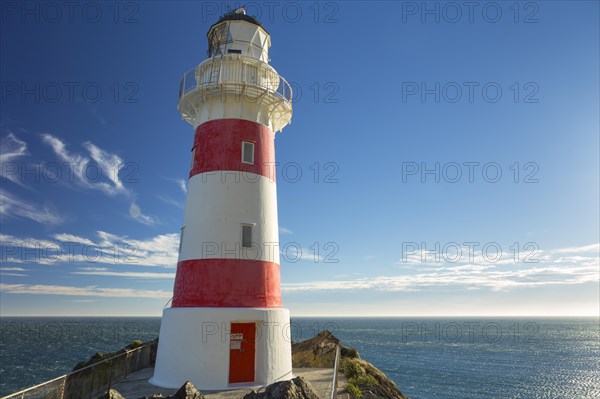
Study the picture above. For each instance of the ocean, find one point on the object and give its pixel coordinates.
(427, 357)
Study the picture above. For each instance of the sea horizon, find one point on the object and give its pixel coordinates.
(426, 357)
(339, 317)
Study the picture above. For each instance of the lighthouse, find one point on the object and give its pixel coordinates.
(226, 327)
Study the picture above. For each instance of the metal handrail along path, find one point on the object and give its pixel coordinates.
(36, 388)
(335, 371)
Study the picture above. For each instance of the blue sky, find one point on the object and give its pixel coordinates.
(95, 155)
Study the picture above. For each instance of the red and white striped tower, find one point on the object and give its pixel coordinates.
(226, 327)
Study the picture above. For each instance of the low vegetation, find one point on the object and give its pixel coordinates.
(357, 377)
(363, 379)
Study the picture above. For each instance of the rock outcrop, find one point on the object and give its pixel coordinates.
(112, 394)
(367, 381)
(364, 380)
(318, 351)
(187, 391)
(100, 356)
(297, 388)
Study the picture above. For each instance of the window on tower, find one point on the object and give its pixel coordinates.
(246, 236)
(193, 157)
(247, 152)
(181, 239)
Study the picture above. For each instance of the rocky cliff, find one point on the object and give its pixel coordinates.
(364, 380)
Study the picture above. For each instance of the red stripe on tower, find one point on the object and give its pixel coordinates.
(235, 283)
(217, 147)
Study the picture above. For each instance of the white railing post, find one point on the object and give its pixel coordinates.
(335, 371)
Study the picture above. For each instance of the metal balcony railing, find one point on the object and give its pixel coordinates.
(235, 72)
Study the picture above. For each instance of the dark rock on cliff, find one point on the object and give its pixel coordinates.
(187, 391)
(100, 356)
(111, 394)
(297, 388)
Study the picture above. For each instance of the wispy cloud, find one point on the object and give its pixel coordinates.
(98, 170)
(106, 248)
(110, 164)
(102, 174)
(30, 243)
(72, 238)
(168, 200)
(14, 207)
(142, 275)
(296, 253)
(94, 269)
(92, 291)
(11, 271)
(181, 183)
(11, 148)
(283, 230)
(135, 212)
(553, 269)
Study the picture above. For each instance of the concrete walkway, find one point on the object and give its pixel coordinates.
(136, 385)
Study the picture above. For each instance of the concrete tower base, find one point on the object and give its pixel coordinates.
(198, 345)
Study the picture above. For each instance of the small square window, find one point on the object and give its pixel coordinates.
(246, 236)
(232, 51)
(247, 152)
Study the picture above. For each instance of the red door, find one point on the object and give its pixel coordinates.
(241, 352)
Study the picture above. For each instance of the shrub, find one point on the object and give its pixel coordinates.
(350, 353)
(353, 390)
(363, 381)
(352, 369)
